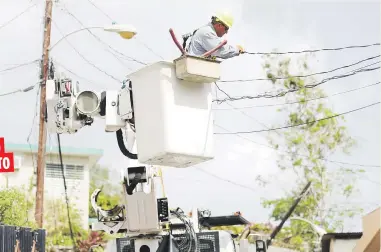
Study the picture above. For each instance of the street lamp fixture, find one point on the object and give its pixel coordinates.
(125, 31)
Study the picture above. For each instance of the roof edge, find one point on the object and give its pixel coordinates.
(344, 236)
(68, 150)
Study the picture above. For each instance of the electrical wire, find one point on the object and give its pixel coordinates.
(84, 58)
(305, 101)
(263, 124)
(30, 146)
(190, 233)
(79, 76)
(17, 16)
(247, 139)
(222, 91)
(112, 20)
(18, 66)
(149, 48)
(104, 13)
(290, 152)
(300, 124)
(303, 76)
(24, 90)
(227, 180)
(65, 187)
(316, 50)
(104, 43)
(31, 128)
(283, 92)
(252, 118)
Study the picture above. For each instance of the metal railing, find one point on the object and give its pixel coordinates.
(21, 239)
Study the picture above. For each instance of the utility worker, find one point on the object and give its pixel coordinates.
(209, 36)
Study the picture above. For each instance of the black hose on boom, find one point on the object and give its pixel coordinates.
(122, 147)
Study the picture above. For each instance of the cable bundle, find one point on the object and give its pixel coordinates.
(190, 234)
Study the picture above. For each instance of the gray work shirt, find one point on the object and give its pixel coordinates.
(205, 39)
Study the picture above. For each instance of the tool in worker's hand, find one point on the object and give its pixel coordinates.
(240, 48)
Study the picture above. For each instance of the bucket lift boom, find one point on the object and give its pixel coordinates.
(166, 110)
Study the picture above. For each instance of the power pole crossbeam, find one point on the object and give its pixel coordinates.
(42, 127)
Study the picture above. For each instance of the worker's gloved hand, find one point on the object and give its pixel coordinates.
(240, 49)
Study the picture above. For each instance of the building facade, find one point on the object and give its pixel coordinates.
(77, 164)
(337, 242)
(370, 241)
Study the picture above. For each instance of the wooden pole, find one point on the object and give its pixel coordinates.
(42, 127)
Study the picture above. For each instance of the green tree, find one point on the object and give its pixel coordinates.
(304, 150)
(15, 207)
(111, 194)
(56, 223)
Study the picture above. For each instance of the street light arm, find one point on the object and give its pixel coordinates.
(71, 33)
(125, 31)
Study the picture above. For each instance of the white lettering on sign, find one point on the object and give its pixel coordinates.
(5, 163)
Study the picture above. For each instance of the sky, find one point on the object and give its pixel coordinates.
(228, 183)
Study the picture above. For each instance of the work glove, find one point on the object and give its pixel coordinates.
(240, 49)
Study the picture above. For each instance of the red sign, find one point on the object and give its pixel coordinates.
(6, 158)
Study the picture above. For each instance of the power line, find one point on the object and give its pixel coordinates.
(226, 180)
(303, 76)
(300, 124)
(27, 89)
(305, 101)
(149, 48)
(18, 66)
(104, 43)
(222, 91)
(17, 16)
(112, 20)
(65, 187)
(104, 13)
(32, 126)
(290, 152)
(84, 58)
(316, 50)
(79, 76)
(283, 92)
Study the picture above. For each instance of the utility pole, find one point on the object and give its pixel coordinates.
(42, 127)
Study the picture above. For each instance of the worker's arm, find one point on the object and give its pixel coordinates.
(211, 41)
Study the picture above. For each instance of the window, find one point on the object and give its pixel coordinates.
(17, 162)
(53, 171)
(75, 172)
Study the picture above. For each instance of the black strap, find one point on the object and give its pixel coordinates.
(186, 37)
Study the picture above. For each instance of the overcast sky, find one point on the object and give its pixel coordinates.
(259, 26)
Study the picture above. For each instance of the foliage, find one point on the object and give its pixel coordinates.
(264, 229)
(14, 207)
(110, 196)
(254, 228)
(304, 150)
(57, 223)
(237, 229)
(93, 239)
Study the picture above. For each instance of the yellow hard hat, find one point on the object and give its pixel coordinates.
(225, 17)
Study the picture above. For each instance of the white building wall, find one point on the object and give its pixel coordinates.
(78, 190)
(343, 245)
(22, 175)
